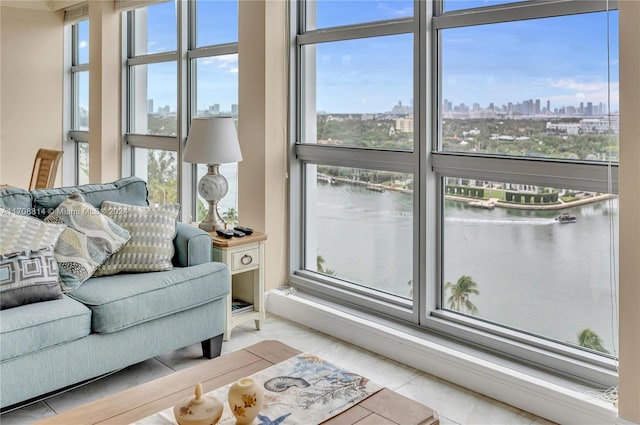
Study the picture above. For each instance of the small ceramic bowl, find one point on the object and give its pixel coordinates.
(198, 410)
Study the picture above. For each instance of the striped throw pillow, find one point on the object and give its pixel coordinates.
(150, 247)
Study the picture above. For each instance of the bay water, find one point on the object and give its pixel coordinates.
(533, 274)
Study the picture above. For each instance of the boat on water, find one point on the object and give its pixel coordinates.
(566, 218)
(375, 187)
(487, 205)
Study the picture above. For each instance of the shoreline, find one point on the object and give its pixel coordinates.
(559, 206)
(488, 203)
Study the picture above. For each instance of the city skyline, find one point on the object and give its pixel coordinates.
(568, 60)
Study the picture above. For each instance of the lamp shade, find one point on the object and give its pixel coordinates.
(212, 140)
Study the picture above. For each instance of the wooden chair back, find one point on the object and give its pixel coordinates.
(45, 168)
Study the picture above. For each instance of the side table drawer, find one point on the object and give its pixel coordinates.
(245, 259)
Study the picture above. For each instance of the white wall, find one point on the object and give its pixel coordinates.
(31, 88)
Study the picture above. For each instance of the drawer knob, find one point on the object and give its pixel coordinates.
(246, 260)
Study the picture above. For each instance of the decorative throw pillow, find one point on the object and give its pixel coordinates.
(23, 233)
(28, 277)
(89, 239)
(151, 245)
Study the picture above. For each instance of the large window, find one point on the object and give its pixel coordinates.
(182, 63)
(457, 169)
(356, 136)
(79, 85)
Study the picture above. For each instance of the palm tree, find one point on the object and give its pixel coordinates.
(591, 340)
(460, 292)
(230, 216)
(320, 266)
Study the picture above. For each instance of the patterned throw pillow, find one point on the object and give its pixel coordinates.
(22, 233)
(89, 239)
(28, 277)
(151, 245)
(28, 269)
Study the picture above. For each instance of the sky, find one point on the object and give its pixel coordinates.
(563, 60)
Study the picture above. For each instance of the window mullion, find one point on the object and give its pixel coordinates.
(546, 173)
(353, 32)
(520, 11)
(397, 161)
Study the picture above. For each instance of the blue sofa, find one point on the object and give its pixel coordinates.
(114, 321)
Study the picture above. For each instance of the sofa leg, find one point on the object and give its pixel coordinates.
(212, 347)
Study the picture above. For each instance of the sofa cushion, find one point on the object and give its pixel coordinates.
(16, 200)
(34, 327)
(150, 247)
(89, 239)
(130, 190)
(124, 300)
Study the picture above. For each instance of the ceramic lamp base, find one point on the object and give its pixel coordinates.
(213, 186)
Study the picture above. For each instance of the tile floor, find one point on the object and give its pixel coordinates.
(454, 404)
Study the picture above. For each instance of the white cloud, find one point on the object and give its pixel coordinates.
(395, 12)
(573, 91)
(83, 44)
(227, 63)
(571, 84)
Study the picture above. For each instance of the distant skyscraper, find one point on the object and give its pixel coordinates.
(548, 106)
(150, 106)
(537, 108)
(234, 109)
(589, 110)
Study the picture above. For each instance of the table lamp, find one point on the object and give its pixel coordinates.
(212, 141)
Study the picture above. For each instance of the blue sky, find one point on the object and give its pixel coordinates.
(563, 60)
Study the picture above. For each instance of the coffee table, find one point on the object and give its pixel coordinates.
(382, 408)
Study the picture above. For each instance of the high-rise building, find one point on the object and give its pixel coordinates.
(150, 106)
(234, 110)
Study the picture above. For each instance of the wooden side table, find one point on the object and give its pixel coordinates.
(245, 259)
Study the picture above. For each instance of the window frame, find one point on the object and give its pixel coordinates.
(71, 169)
(536, 351)
(184, 56)
(429, 165)
(375, 159)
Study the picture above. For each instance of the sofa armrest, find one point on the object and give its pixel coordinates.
(192, 245)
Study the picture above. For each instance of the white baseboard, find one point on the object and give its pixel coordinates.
(521, 390)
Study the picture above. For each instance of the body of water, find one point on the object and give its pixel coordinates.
(533, 273)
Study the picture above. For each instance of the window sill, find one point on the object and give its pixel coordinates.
(528, 389)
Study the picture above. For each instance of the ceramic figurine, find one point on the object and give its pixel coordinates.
(200, 410)
(245, 400)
